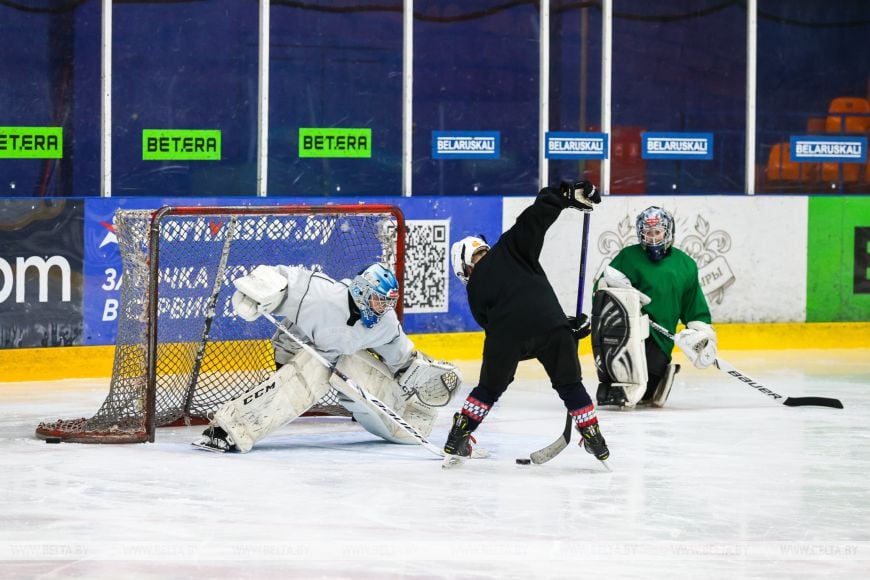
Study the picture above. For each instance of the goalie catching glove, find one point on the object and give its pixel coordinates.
(433, 382)
(260, 291)
(698, 343)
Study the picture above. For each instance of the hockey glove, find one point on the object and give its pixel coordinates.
(698, 343)
(580, 326)
(613, 278)
(260, 291)
(581, 194)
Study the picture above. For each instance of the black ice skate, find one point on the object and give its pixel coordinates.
(215, 439)
(609, 396)
(458, 448)
(594, 441)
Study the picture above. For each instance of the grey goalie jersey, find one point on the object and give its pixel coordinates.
(317, 309)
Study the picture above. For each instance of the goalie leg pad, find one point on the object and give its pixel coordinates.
(618, 334)
(376, 378)
(281, 398)
(433, 382)
(664, 387)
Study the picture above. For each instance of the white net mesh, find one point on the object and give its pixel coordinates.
(181, 323)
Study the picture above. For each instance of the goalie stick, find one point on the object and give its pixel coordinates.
(358, 394)
(727, 368)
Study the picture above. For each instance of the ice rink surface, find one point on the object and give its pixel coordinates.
(722, 483)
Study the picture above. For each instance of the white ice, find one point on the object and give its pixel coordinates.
(722, 483)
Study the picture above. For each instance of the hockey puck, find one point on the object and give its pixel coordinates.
(52, 439)
(523, 461)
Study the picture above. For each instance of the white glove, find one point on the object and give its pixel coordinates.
(613, 278)
(260, 291)
(698, 343)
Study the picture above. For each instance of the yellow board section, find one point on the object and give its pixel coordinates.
(77, 362)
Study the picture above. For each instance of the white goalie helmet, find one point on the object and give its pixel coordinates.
(461, 253)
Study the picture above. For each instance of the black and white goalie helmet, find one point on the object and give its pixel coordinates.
(461, 253)
(655, 232)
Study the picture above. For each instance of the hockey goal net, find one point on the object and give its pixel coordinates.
(180, 350)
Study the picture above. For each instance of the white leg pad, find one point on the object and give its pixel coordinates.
(281, 398)
(619, 331)
(376, 378)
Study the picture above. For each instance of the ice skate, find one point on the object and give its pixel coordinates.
(215, 439)
(594, 442)
(457, 448)
(609, 396)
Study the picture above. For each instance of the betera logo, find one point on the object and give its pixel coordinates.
(18, 278)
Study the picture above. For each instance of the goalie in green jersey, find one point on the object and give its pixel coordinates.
(648, 280)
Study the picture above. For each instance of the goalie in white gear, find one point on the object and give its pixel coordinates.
(651, 279)
(350, 323)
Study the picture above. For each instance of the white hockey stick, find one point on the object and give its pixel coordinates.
(547, 453)
(727, 368)
(357, 393)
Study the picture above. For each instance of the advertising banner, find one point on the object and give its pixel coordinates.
(750, 251)
(40, 272)
(838, 268)
(760, 259)
(434, 298)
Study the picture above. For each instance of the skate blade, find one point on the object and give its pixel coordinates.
(479, 453)
(451, 461)
(206, 446)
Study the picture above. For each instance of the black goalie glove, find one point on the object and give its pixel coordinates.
(580, 194)
(580, 326)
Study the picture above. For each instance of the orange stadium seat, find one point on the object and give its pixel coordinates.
(839, 120)
(851, 172)
(781, 168)
(816, 125)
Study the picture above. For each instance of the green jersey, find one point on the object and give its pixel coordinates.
(672, 284)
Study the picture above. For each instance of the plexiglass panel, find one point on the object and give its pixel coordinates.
(184, 75)
(476, 74)
(335, 99)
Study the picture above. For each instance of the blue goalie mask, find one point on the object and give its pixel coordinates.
(655, 232)
(374, 291)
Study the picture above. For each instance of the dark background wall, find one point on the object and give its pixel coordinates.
(679, 65)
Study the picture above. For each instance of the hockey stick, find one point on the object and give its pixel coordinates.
(727, 368)
(356, 392)
(210, 309)
(547, 453)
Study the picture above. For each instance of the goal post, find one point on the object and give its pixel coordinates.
(180, 350)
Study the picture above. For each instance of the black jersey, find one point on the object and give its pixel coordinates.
(508, 292)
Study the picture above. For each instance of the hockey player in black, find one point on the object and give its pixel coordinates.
(511, 298)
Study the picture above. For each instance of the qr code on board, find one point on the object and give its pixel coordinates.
(427, 253)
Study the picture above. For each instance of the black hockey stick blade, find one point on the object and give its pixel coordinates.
(547, 453)
(813, 402)
(728, 369)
